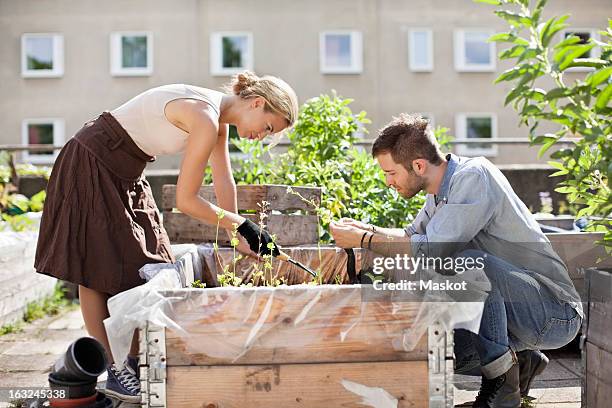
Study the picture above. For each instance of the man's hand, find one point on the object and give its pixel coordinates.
(357, 224)
(346, 235)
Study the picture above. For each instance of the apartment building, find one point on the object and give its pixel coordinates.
(62, 62)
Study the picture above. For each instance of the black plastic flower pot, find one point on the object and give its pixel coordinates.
(84, 360)
(73, 389)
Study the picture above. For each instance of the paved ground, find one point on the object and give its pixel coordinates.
(26, 359)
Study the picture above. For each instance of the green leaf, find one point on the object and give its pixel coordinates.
(493, 2)
(559, 166)
(530, 110)
(513, 73)
(547, 145)
(571, 40)
(514, 19)
(597, 77)
(552, 27)
(604, 97)
(509, 38)
(574, 52)
(538, 10)
(515, 93)
(557, 93)
(513, 52)
(588, 62)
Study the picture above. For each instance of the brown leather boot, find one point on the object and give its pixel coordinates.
(531, 364)
(500, 392)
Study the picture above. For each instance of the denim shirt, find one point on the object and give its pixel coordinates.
(476, 208)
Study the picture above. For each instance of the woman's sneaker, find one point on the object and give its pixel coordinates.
(123, 385)
(133, 363)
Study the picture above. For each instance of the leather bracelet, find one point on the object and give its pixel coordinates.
(362, 237)
(370, 242)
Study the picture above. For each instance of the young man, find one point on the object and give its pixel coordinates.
(472, 211)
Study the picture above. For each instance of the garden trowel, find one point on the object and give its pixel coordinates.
(284, 257)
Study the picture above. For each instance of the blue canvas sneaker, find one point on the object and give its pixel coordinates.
(123, 385)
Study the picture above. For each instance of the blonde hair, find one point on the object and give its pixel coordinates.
(280, 97)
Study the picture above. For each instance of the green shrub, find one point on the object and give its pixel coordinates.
(322, 153)
(581, 110)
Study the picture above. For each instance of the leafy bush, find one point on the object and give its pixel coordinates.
(579, 110)
(322, 153)
(13, 206)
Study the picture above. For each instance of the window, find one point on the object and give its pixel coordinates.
(420, 50)
(472, 51)
(231, 53)
(132, 53)
(585, 35)
(340, 52)
(42, 131)
(42, 55)
(476, 126)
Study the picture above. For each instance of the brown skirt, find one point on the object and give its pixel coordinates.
(100, 223)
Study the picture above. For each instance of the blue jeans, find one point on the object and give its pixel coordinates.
(519, 314)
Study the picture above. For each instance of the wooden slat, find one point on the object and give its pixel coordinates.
(249, 196)
(599, 300)
(291, 324)
(289, 229)
(579, 251)
(298, 385)
(598, 376)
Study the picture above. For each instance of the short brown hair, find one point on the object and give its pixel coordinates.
(407, 138)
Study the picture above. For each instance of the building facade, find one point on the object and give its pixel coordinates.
(63, 62)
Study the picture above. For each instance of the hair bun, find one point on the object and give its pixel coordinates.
(244, 81)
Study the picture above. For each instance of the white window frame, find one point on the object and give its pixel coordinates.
(58, 57)
(116, 54)
(461, 132)
(216, 53)
(356, 66)
(58, 139)
(459, 50)
(595, 51)
(414, 66)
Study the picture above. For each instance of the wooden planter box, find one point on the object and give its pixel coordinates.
(291, 346)
(580, 252)
(596, 340)
(289, 217)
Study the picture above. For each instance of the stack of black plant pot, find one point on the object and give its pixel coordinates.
(75, 375)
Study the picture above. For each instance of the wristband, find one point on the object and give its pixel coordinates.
(362, 237)
(370, 242)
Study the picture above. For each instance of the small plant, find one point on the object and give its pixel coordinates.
(48, 306)
(11, 328)
(198, 284)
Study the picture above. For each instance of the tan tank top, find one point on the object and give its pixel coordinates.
(144, 119)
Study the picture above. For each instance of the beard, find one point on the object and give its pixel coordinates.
(410, 189)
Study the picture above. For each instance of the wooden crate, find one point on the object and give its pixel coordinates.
(290, 228)
(597, 342)
(310, 341)
(580, 251)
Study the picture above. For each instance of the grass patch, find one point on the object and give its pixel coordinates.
(48, 306)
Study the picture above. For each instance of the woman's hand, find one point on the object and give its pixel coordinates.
(243, 248)
(259, 240)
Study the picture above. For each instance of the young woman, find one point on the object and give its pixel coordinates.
(100, 224)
